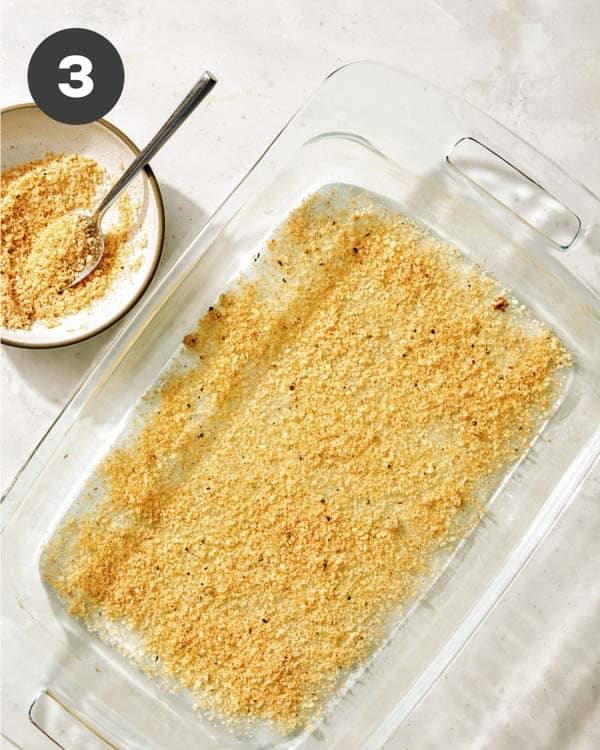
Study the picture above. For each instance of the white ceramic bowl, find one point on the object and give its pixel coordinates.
(27, 134)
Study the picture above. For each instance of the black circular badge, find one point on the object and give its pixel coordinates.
(75, 76)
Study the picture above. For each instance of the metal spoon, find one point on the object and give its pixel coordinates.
(187, 106)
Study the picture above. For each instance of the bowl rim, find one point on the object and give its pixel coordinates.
(158, 245)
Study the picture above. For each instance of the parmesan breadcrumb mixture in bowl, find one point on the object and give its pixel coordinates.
(342, 415)
(44, 246)
(58, 255)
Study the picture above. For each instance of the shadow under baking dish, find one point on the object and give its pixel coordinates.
(117, 697)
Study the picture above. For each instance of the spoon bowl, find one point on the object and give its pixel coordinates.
(97, 247)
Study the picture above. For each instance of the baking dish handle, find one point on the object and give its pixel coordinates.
(539, 192)
(420, 127)
(63, 726)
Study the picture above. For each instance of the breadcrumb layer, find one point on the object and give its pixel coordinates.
(340, 417)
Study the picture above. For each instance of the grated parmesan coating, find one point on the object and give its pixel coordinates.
(288, 488)
(42, 250)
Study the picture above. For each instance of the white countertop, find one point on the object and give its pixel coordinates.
(530, 677)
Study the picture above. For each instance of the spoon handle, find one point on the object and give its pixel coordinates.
(183, 111)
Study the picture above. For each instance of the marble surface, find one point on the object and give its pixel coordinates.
(530, 677)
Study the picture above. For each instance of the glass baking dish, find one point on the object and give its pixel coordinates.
(473, 183)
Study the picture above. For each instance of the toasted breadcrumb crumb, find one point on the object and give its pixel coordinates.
(288, 489)
(58, 255)
(41, 254)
